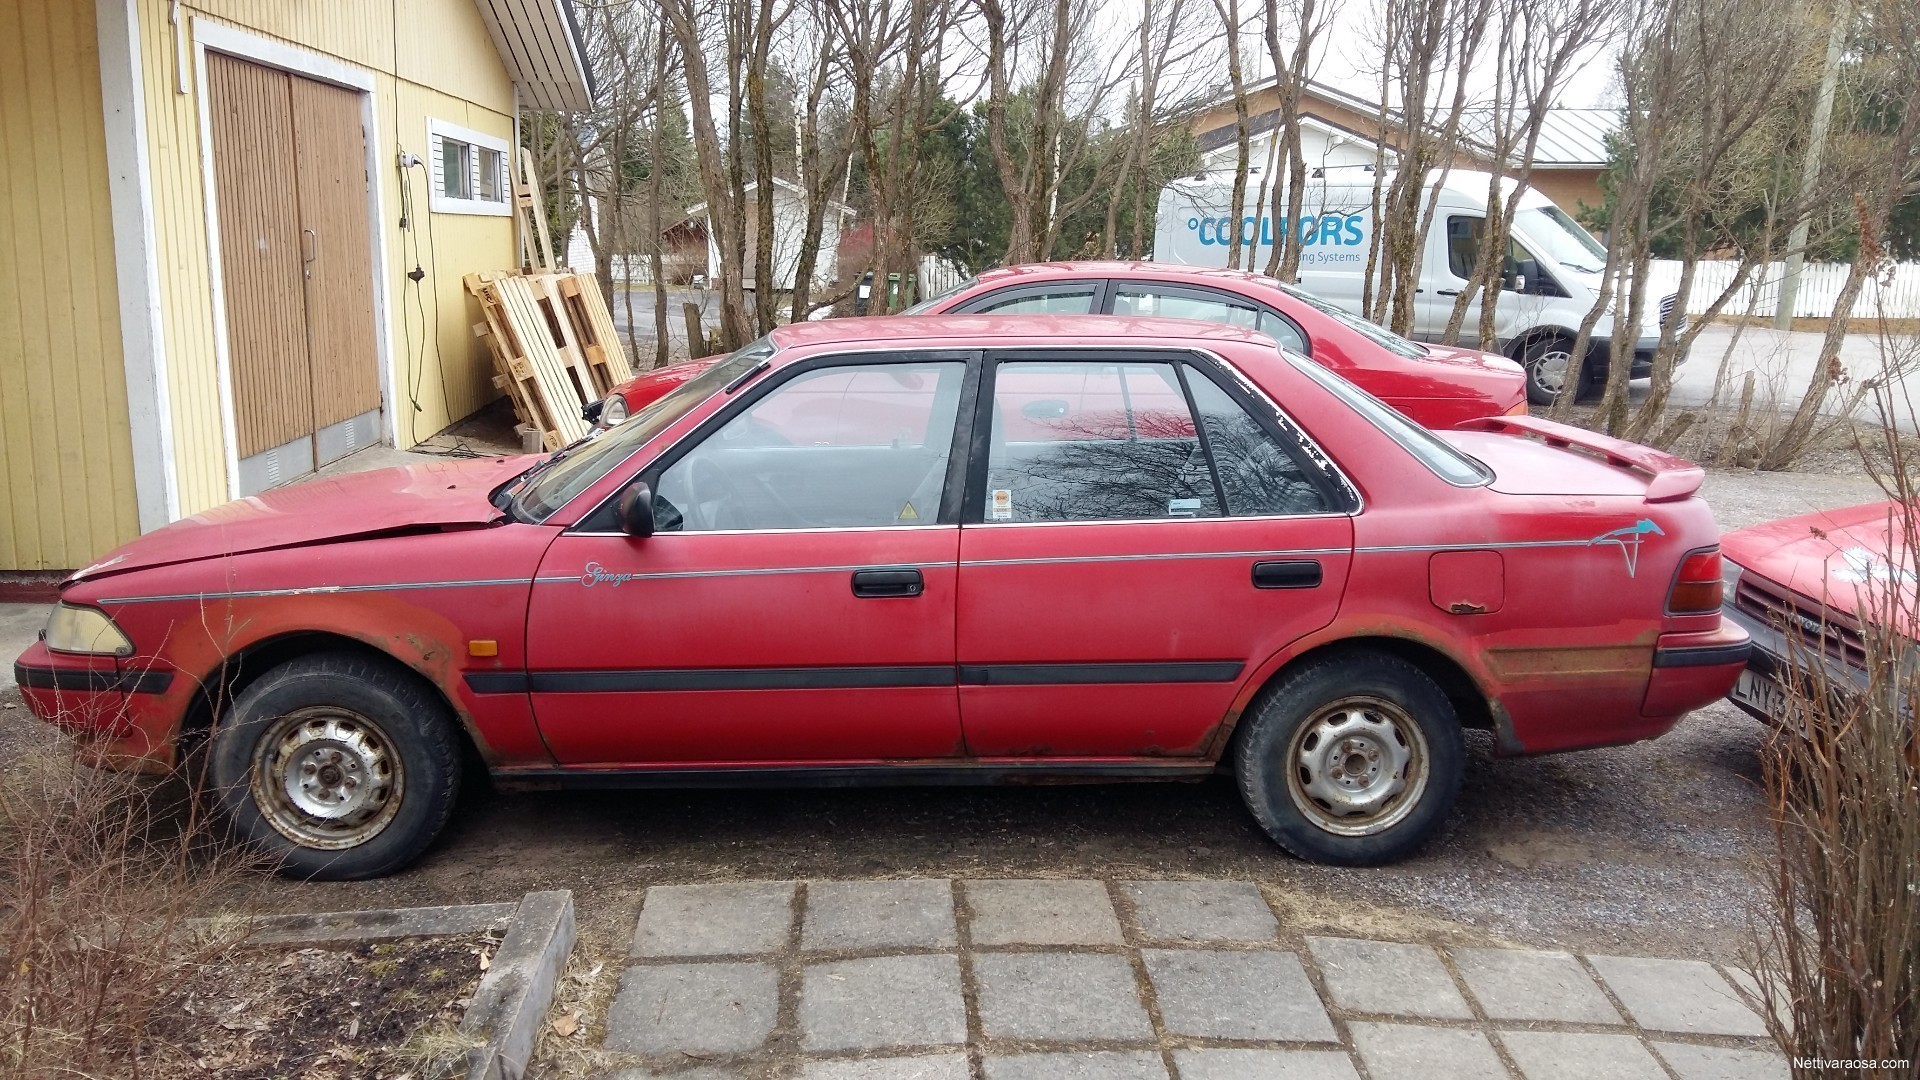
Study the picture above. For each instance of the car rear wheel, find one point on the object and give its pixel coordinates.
(337, 766)
(1549, 364)
(1352, 760)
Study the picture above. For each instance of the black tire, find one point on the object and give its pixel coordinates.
(363, 738)
(1290, 723)
(1542, 358)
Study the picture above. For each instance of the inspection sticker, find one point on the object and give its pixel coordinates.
(1000, 505)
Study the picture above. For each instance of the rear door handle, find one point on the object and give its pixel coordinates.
(1446, 292)
(1287, 574)
(881, 583)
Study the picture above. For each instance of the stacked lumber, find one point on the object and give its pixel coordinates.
(554, 347)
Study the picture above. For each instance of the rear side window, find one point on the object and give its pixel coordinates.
(1447, 463)
(1257, 476)
(1087, 441)
(1134, 299)
(1065, 300)
(1075, 441)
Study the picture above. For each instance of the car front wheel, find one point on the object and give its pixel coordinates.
(1352, 760)
(337, 766)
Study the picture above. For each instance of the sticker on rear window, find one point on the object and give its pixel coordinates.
(1183, 507)
(1000, 505)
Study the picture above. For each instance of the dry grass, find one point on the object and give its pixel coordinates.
(1838, 956)
(99, 876)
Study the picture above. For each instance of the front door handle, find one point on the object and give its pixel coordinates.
(1447, 292)
(1287, 574)
(873, 584)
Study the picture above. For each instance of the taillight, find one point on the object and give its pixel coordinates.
(1518, 410)
(1698, 587)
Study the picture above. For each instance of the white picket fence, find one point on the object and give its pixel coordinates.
(1894, 294)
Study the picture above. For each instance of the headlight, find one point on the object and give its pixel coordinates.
(75, 629)
(613, 411)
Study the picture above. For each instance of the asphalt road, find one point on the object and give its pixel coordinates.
(1641, 849)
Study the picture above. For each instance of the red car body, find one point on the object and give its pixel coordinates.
(1804, 585)
(1536, 595)
(1438, 386)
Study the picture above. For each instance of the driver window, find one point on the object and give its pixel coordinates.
(855, 446)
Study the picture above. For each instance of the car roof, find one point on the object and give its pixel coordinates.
(992, 331)
(1050, 271)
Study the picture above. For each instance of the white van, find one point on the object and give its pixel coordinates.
(1553, 265)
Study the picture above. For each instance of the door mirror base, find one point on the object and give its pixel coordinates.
(636, 511)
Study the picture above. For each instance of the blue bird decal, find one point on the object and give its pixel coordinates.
(1628, 539)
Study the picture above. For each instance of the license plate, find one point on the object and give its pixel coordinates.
(1760, 693)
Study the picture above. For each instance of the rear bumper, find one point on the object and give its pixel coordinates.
(1694, 670)
(122, 716)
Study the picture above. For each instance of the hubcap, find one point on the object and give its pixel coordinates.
(327, 777)
(1358, 766)
(1549, 370)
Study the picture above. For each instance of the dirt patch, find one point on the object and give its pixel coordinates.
(378, 1010)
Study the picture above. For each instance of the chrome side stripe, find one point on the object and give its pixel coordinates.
(315, 590)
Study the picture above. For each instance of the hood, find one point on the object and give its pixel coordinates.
(1844, 558)
(431, 494)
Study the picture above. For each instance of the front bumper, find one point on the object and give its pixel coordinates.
(1773, 654)
(122, 716)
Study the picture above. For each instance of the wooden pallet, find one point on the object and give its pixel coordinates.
(544, 385)
(593, 324)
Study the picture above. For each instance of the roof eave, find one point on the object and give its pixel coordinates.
(540, 45)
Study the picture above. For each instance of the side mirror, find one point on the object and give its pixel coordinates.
(1518, 283)
(636, 511)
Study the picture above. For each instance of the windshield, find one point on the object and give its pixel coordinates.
(1562, 239)
(931, 302)
(1373, 332)
(570, 471)
(1447, 463)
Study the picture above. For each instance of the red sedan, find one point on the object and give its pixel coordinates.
(1437, 385)
(947, 549)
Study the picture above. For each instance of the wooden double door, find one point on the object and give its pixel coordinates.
(296, 268)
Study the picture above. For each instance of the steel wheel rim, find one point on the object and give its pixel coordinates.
(1550, 370)
(327, 778)
(1358, 766)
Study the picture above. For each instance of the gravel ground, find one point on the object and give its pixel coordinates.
(1642, 849)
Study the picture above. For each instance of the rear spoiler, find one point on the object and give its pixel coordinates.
(1669, 478)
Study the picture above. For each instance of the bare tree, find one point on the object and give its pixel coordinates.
(1232, 24)
(1890, 53)
(1293, 71)
(1432, 47)
(720, 172)
(1538, 49)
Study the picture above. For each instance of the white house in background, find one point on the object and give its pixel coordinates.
(789, 227)
(685, 238)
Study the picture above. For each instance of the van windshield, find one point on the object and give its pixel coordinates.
(1562, 239)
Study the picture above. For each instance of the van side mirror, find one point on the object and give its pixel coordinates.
(636, 511)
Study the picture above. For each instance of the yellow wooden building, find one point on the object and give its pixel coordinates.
(232, 238)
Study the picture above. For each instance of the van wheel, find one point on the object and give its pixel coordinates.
(337, 767)
(1549, 364)
(1353, 760)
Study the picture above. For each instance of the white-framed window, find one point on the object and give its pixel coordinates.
(467, 171)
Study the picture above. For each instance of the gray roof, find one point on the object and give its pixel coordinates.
(1569, 138)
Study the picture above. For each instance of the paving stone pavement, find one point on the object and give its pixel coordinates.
(1096, 980)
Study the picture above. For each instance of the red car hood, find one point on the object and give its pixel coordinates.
(1840, 557)
(433, 493)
